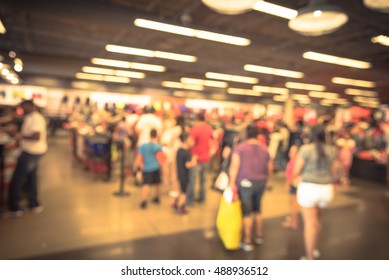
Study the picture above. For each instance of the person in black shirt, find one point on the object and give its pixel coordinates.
(184, 163)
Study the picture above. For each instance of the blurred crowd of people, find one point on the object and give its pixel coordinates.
(180, 149)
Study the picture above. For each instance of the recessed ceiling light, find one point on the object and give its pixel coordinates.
(273, 71)
(303, 86)
(196, 33)
(337, 60)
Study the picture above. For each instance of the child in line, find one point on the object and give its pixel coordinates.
(184, 163)
(148, 157)
(292, 221)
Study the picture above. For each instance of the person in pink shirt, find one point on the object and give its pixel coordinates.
(201, 136)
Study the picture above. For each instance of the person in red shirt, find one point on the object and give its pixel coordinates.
(201, 135)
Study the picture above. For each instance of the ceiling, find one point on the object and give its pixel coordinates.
(56, 38)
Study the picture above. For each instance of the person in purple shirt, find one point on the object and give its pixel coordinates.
(250, 168)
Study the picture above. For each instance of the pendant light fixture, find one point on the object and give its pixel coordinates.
(318, 18)
(377, 5)
(230, 7)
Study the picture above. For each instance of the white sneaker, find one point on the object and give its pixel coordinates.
(37, 210)
(259, 240)
(12, 214)
(246, 247)
(316, 253)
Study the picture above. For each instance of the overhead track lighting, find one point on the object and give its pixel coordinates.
(326, 58)
(230, 7)
(190, 32)
(318, 18)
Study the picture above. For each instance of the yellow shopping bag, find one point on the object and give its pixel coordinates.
(229, 223)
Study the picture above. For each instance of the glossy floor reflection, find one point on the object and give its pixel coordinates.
(84, 220)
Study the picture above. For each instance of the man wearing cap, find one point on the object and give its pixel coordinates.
(33, 144)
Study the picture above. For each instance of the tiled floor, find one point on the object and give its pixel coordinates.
(84, 220)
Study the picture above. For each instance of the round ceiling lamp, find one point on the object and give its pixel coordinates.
(230, 7)
(318, 18)
(377, 5)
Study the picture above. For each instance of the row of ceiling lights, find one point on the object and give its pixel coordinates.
(317, 18)
(9, 66)
(198, 84)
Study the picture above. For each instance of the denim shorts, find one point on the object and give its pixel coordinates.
(250, 194)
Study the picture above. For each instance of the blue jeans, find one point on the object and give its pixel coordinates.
(25, 173)
(200, 171)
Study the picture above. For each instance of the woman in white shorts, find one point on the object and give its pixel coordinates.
(314, 168)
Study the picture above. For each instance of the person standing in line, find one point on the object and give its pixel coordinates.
(170, 141)
(316, 164)
(292, 221)
(201, 135)
(145, 124)
(33, 144)
(250, 168)
(346, 147)
(184, 162)
(148, 157)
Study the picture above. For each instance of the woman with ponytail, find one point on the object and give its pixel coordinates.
(314, 169)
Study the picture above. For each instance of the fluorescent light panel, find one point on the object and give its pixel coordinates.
(367, 93)
(207, 83)
(275, 10)
(241, 91)
(273, 71)
(190, 32)
(95, 77)
(170, 84)
(381, 39)
(337, 60)
(2, 28)
(126, 64)
(150, 53)
(231, 78)
(280, 98)
(106, 71)
(303, 86)
(353, 82)
(274, 90)
(321, 94)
